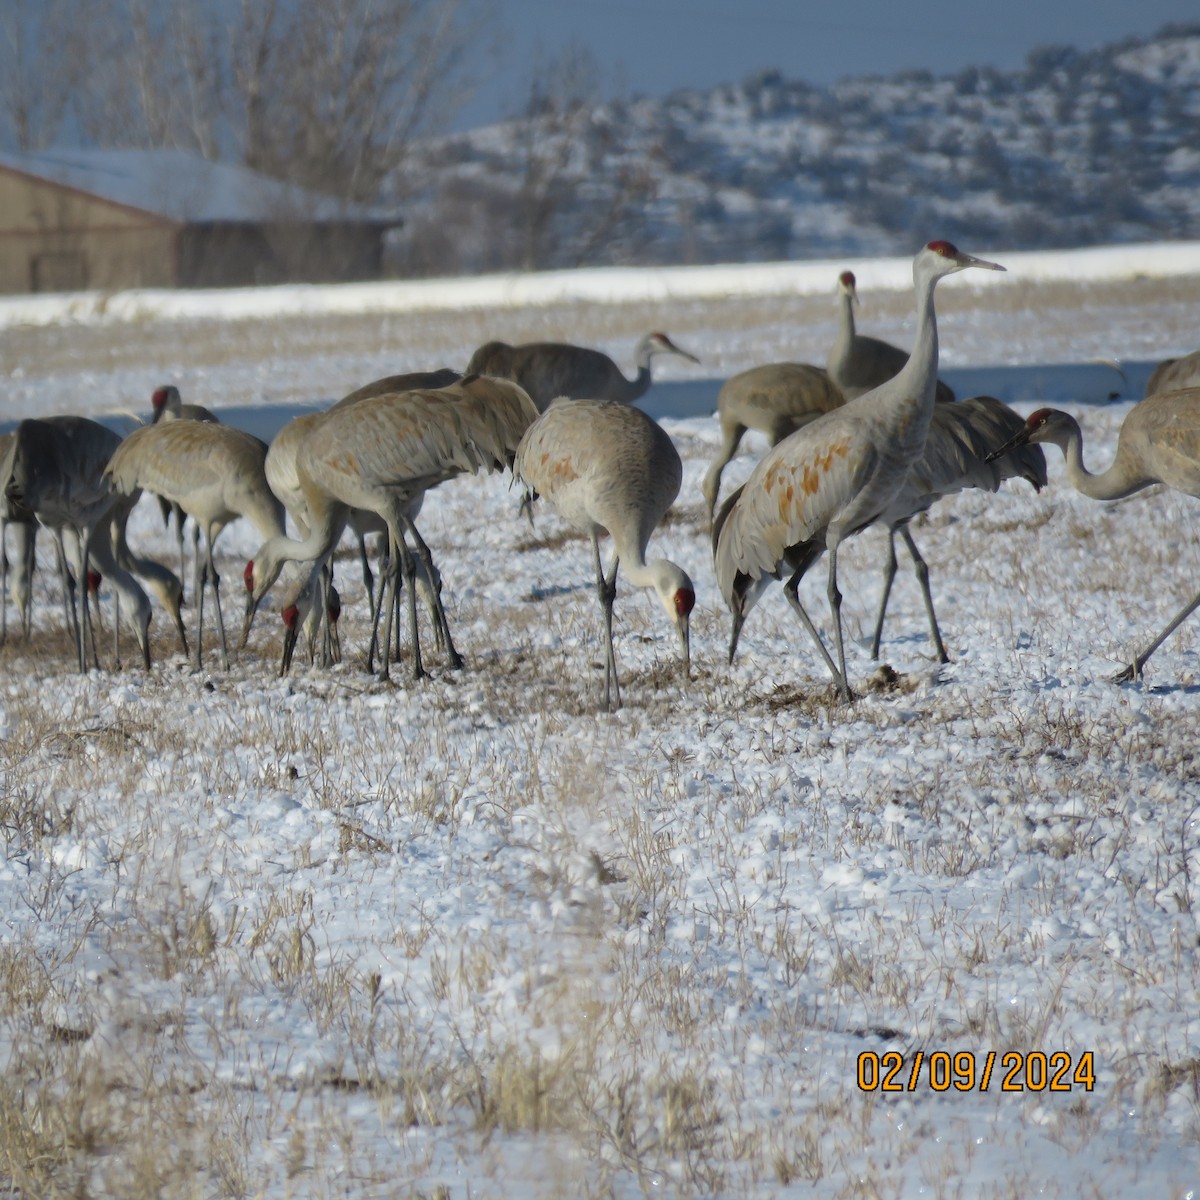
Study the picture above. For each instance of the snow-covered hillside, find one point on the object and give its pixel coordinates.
(1079, 147)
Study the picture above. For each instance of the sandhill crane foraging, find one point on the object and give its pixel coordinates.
(610, 468)
(547, 370)
(956, 456)
(834, 476)
(215, 474)
(1172, 374)
(379, 455)
(858, 363)
(1159, 442)
(57, 473)
(775, 399)
(166, 404)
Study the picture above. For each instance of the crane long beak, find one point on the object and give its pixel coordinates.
(739, 620)
(251, 609)
(685, 645)
(1019, 439)
(291, 635)
(969, 260)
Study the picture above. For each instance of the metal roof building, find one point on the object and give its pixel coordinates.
(72, 220)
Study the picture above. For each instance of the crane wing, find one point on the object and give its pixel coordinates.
(808, 481)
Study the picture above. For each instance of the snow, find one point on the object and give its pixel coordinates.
(319, 936)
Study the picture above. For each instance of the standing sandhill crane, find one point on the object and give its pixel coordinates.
(1159, 442)
(834, 476)
(858, 363)
(379, 454)
(283, 476)
(215, 474)
(609, 468)
(547, 370)
(57, 473)
(1173, 374)
(956, 456)
(775, 399)
(167, 405)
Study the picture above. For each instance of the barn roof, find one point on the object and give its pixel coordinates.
(185, 187)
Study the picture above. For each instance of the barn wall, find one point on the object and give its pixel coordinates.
(54, 239)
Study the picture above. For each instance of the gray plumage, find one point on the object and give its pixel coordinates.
(857, 362)
(960, 438)
(56, 471)
(215, 474)
(1174, 373)
(1159, 442)
(609, 468)
(407, 382)
(775, 399)
(834, 476)
(380, 454)
(548, 370)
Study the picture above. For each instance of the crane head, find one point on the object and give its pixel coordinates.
(1045, 425)
(944, 258)
(164, 399)
(659, 343)
(848, 286)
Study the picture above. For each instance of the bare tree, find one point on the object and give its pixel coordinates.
(34, 101)
(323, 93)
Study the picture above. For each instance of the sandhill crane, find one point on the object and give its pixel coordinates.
(168, 405)
(961, 437)
(16, 577)
(1159, 442)
(379, 454)
(834, 476)
(284, 479)
(858, 363)
(57, 473)
(406, 382)
(302, 611)
(609, 468)
(547, 370)
(1172, 374)
(775, 399)
(215, 474)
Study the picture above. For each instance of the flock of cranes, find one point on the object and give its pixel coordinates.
(872, 438)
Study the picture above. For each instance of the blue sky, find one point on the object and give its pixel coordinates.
(653, 46)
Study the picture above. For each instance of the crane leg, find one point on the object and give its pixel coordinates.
(835, 608)
(889, 575)
(922, 569)
(198, 572)
(790, 590)
(29, 546)
(368, 577)
(452, 654)
(215, 579)
(606, 588)
(1134, 670)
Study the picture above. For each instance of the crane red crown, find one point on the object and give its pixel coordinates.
(159, 398)
(846, 279)
(685, 601)
(1037, 418)
(945, 249)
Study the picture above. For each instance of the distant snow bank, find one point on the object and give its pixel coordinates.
(600, 285)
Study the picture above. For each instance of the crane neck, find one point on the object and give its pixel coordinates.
(840, 352)
(1117, 481)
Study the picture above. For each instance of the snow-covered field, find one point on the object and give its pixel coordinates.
(319, 936)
